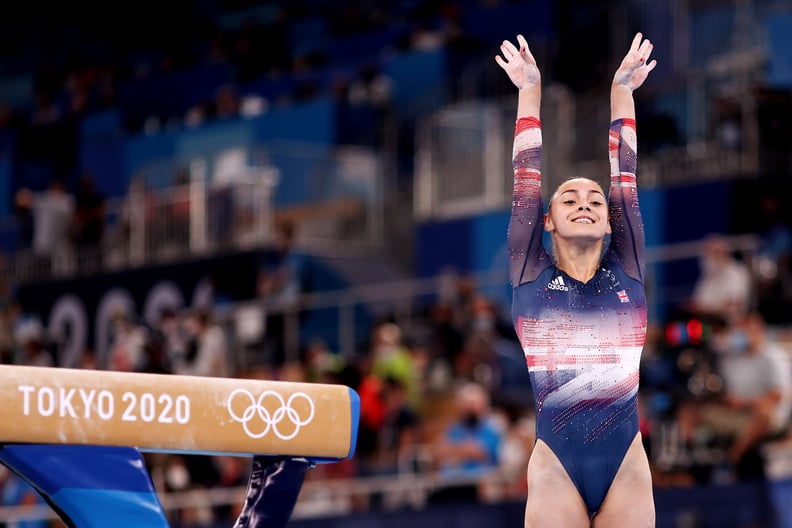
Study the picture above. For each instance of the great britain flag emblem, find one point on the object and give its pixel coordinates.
(623, 296)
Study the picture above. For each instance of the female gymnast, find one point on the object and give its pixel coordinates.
(580, 314)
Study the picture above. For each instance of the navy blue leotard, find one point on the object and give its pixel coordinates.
(582, 341)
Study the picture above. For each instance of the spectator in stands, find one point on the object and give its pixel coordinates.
(171, 338)
(399, 432)
(728, 122)
(469, 448)
(519, 438)
(52, 211)
(462, 300)
(176, 224)
(158, 361)
(491, 354)
(723, 289)
(9, 311)
(198, 114)
(757, 397)
(226, 102)
(87, 360)
(23, 218)
(208, 353)
(371, 87)
(372, 416)
(281, 281)
(391, 358)
(128, 344)
(425, 35)
(33, 343)
(321, 364)
(771, 263)
(138, 210)
(477, 361)
(444, 343)
(389, 436)
(279, 277)
(253, 105)
(498, 359)
(88, 224)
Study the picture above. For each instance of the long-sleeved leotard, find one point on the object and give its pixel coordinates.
(582, 341)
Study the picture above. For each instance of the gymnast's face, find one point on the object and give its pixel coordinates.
(578, 210)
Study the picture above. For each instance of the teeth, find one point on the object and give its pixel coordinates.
(584, 221)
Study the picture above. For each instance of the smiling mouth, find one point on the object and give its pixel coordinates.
(583, 220)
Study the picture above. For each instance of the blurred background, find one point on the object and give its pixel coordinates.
(319, 191)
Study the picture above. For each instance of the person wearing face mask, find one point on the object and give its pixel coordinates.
(469, 447)
(723, 288)
(756, 399)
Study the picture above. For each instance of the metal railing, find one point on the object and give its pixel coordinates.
(463, 159)
(220, 202)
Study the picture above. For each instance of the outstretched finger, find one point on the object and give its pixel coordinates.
(510, 48)
(636, 42)
(523, 45)
(645, 49)
(651, 66)
(648, 53)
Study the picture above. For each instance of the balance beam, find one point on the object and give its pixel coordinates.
(176, 413)
(77, 436)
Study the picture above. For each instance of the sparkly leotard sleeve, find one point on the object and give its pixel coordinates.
(582, 341)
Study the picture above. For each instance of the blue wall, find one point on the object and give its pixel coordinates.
(114, 158)
(114, 162)
(780, 45)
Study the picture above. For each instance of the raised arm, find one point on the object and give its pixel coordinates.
(627, 240)
(520, 65)
(526, 252)
(631, 74)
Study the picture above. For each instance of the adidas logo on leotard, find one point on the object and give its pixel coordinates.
(557, 284)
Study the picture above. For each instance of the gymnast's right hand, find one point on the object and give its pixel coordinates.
(519, 64)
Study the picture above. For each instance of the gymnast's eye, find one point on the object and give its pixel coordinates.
(569, 202)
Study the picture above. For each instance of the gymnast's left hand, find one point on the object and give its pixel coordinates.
(635, 67)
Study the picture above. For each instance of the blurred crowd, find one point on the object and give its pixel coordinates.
(446, 392)
(271, 56)
(58, 220)
(725, 388)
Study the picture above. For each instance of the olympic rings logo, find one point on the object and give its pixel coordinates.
(271, 421)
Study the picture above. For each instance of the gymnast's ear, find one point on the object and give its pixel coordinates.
(548, 222)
